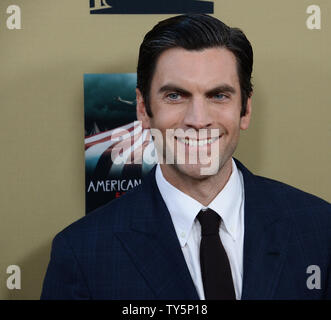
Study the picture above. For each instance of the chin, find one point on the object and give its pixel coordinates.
(196, 171)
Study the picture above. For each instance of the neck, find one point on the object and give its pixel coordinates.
(203, 190)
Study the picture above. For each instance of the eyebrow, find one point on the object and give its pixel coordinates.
(172, 87)
(224, 88)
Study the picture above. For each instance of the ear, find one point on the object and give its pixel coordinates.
(245, 120)
(141, 111)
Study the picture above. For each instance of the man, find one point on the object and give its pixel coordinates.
(227, 234)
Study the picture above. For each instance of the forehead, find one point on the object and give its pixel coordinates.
(198, 69)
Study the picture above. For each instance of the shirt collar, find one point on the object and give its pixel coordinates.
(184, 209)
(229, 201)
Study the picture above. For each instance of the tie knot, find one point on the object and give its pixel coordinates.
(209, 221)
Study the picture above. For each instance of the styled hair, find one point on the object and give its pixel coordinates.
(194, 32)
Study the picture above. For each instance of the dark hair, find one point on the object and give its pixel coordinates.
(194, 32)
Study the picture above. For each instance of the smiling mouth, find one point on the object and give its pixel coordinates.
(197, 143)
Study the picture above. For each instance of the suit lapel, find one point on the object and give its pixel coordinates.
(267, 232)
(154, 248)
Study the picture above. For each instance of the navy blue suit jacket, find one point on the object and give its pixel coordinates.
(129, 249)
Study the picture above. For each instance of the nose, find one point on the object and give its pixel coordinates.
(197, 115)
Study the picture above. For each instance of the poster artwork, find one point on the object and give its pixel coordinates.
(150, 6)
(118, 151)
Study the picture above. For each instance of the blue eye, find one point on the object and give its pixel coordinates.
(173, 96)
(220, 96)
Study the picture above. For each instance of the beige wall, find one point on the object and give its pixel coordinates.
(41, 115)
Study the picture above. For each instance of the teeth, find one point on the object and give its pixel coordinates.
(194, 143)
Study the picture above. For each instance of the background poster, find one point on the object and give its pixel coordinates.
(111, 134)
(150, 6)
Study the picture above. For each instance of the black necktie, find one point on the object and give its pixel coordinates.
(215, 266)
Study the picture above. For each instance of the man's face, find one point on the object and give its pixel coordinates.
(200, 91)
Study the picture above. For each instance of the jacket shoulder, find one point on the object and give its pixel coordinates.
(308, 214)
(292, 196)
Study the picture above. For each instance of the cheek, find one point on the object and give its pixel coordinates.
(229, 120)
(162, 122)
(165, 116)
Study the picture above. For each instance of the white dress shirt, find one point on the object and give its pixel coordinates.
(229, 204)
